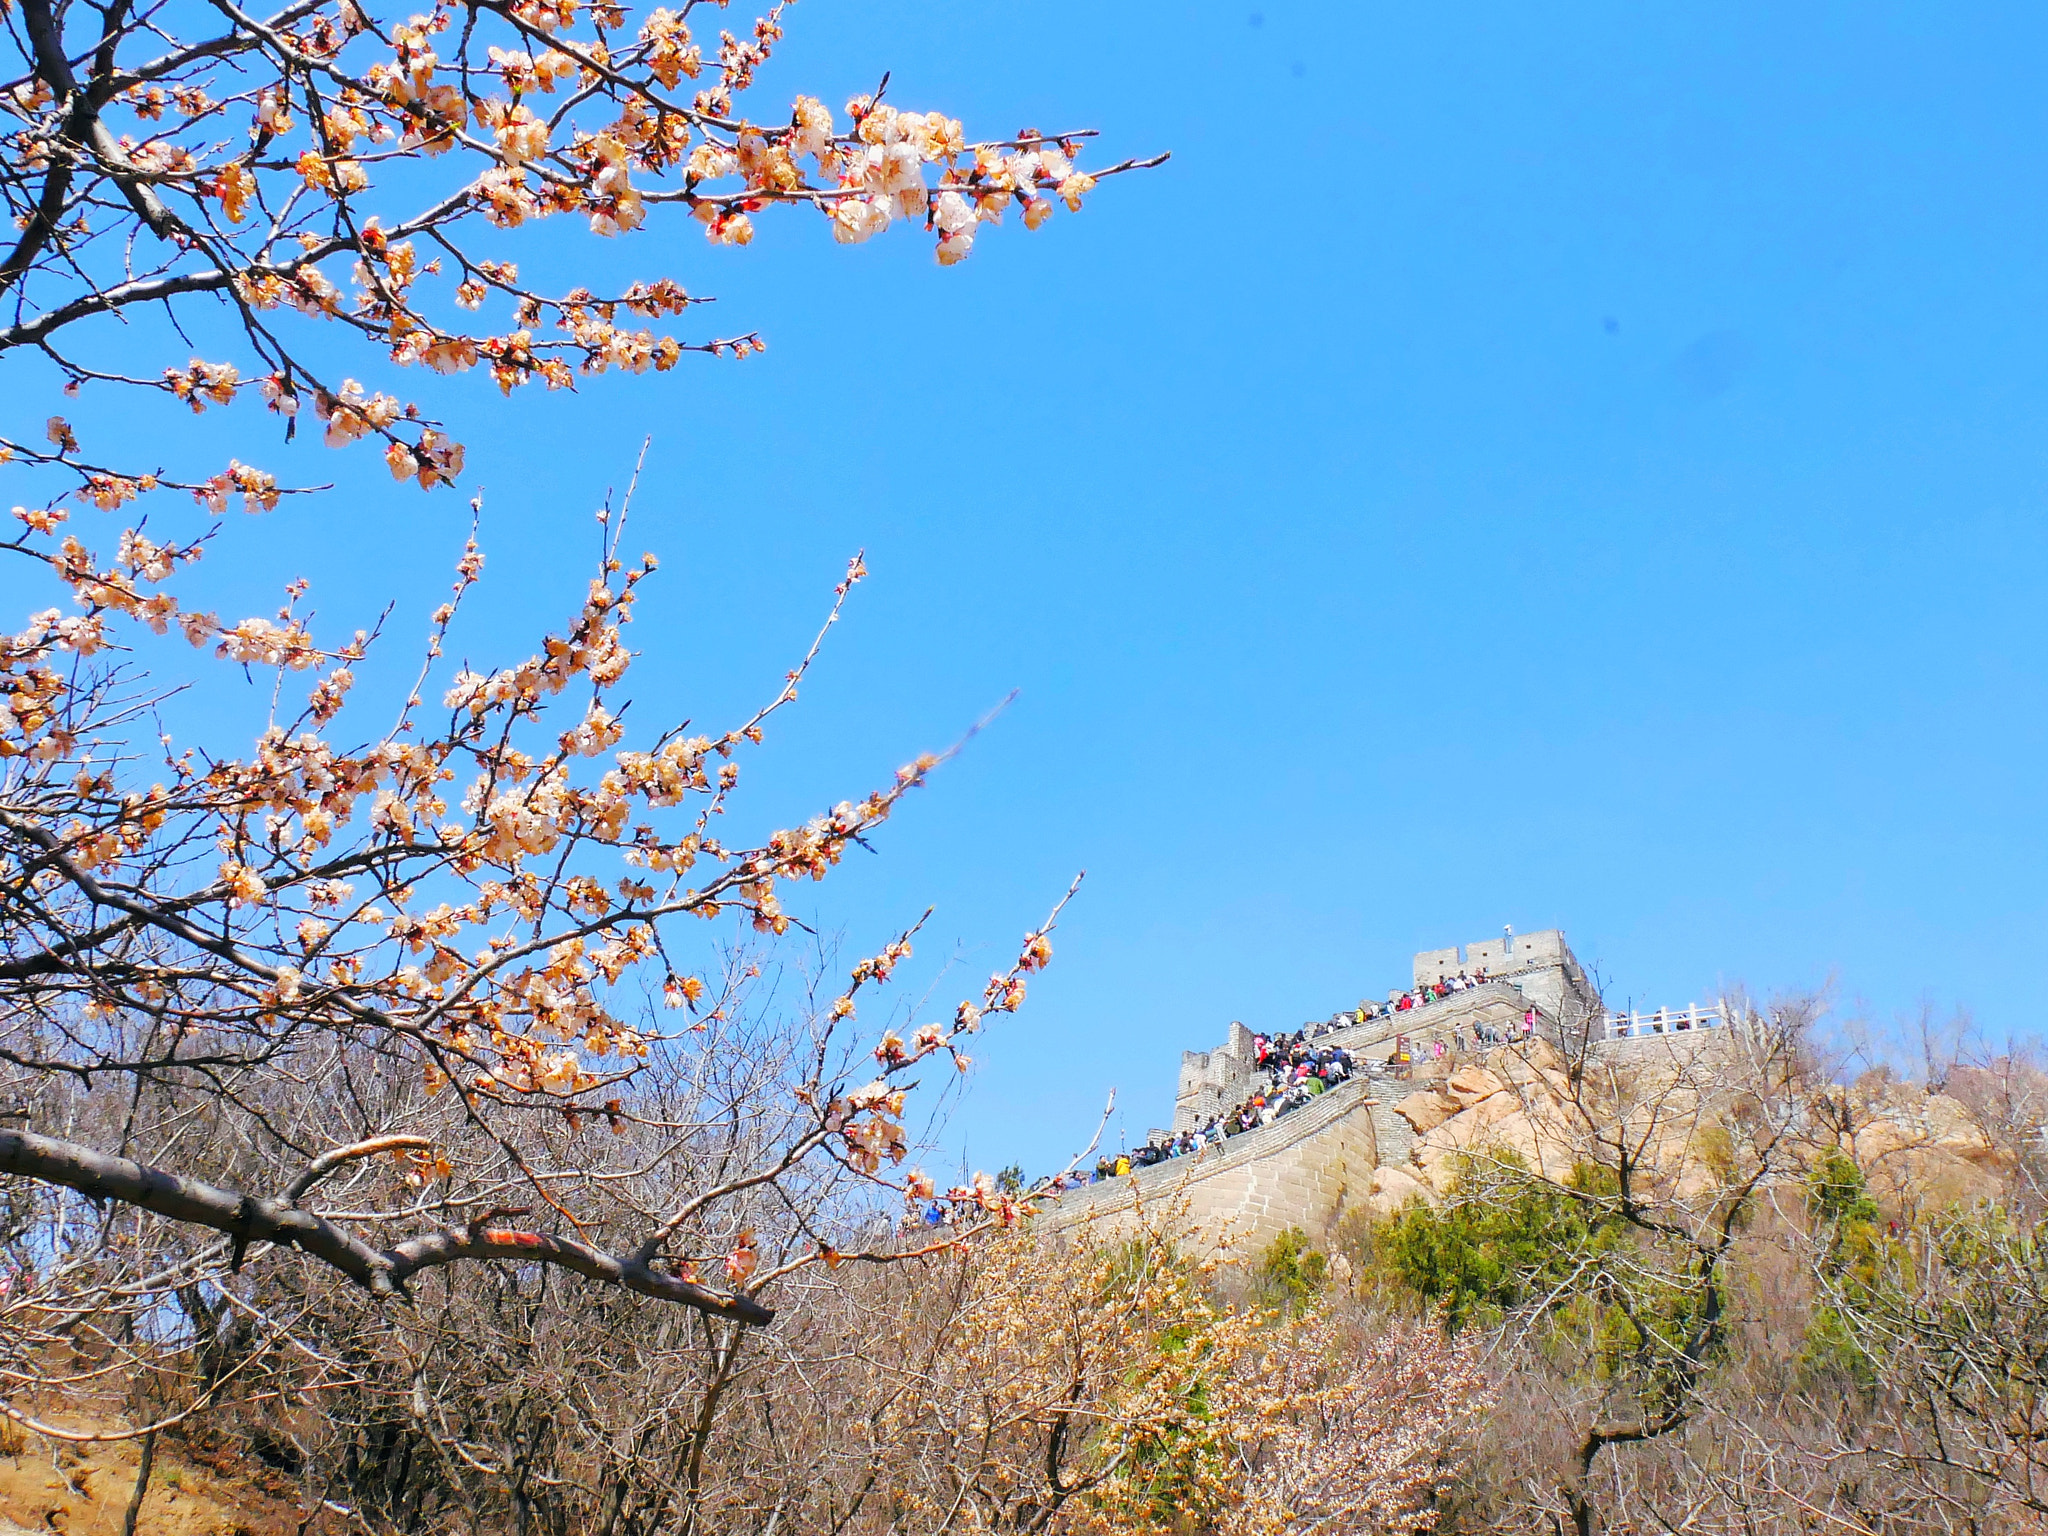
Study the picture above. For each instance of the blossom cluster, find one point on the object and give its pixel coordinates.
(371, 159)
(490, 880)
(869, 1119)
(482, 894)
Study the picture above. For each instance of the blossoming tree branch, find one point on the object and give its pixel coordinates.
(412, 994)
(465, 902)
(362, 170)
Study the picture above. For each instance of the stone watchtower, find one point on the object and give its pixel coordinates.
(1541, 965)
(1214, 1082)
(1311, 1166)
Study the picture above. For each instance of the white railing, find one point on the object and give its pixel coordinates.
(1666, 1021)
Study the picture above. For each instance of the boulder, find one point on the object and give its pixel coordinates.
(1499, 1120)
(1883, 1139)
(1533, 1063)
(1696, 1183)
(1454, 1135)
(1495, 1107)
(1469, 1085)
(1929, 1178)
(1439, 1171)
(1544, 1142)
(1922, 1151)
(1424, 1111)
(1955, 1130)
(1540, 1140)
(1393, 1188)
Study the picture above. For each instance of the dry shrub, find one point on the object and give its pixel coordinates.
(1372, 1419)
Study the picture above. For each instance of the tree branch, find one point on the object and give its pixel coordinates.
(83, 131)
(383, 1272)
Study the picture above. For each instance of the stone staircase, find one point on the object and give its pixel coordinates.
(1228, 1074)
(1396, 1136)
(1271, 1168)
(1316, 1164)
(1498, 1003)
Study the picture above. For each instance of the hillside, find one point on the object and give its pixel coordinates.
(1921, 1150)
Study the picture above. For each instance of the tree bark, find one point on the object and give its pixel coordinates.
(383, 1272)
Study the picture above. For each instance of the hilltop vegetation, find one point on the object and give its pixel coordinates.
(1725, 1289)
(1754, 1298)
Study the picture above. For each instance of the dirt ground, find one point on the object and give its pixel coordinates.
(83, 1490)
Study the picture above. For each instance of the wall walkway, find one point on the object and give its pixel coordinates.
(1312, 1167)
(1304, 1170)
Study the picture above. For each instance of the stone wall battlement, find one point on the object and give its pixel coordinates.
(1496, 957)
(1213, 1082)
(1309, 1167)
(1304, 1170)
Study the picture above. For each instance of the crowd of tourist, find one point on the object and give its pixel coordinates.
(1429, 992)
(1294, 1070)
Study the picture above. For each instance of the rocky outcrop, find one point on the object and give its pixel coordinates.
(1918, 1150)
(1393, 1188)
(1425, 1111)
(1512, 1101)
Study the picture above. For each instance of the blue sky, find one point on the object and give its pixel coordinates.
(1580, 469)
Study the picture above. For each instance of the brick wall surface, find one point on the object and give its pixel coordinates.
(1312, 1167)
(1305, 1170)
(1215, 1082)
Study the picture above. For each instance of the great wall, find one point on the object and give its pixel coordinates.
(1312, 1167)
